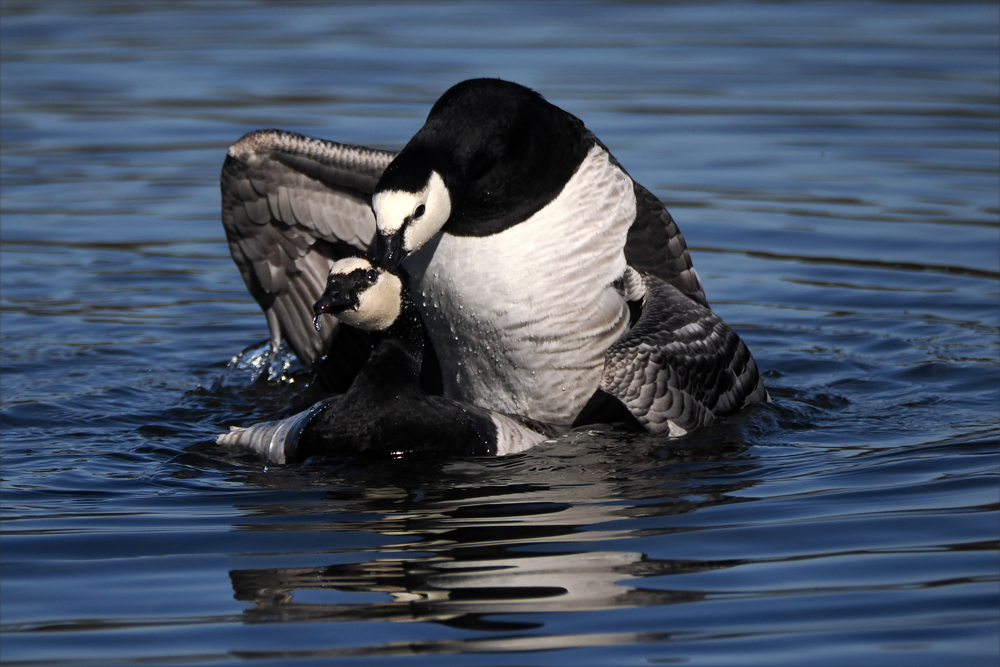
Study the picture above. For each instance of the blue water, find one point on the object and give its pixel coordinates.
(835, 169)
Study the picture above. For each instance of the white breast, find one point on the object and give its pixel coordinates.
(521, 319)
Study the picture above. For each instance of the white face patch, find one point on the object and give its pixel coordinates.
(378, 305)
(348, 264)
(416, 215)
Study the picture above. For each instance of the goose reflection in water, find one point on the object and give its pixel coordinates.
(461, 592)
(524, 535)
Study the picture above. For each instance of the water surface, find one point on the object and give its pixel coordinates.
(834, 168)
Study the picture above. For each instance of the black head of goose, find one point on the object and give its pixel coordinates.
(386, 412)
(490, 155)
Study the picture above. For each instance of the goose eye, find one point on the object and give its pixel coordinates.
(419, 211)
(372, 276)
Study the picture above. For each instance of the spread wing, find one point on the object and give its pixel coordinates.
(680, 366)
(291, 206)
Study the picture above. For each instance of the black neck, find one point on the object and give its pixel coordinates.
(408, 329)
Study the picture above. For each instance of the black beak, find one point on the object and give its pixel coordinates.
(389, 251)
(332, 301)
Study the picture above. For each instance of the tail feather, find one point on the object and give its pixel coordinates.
(276, 441)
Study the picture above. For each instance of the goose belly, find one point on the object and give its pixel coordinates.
(521, 320)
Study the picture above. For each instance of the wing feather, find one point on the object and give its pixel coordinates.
(291, 206)
(655, 246)
(680, 366)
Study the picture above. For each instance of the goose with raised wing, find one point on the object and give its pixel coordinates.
(386, 413)
(528, 248)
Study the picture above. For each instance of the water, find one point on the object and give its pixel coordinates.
(834, 168)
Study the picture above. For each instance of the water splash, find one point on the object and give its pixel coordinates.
(256, 362)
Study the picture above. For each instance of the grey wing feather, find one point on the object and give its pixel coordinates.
(291, 206)
(680, 364)
(655, 246)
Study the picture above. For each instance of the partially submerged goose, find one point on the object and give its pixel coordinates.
(385, 412)
(528, 248)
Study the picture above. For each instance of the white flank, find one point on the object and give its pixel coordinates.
(675, 430)
(513, 436)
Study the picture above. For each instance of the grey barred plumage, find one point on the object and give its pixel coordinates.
(655, 246)
(680, 366)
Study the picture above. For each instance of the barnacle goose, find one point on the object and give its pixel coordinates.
(522, 235)
(385, 412)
